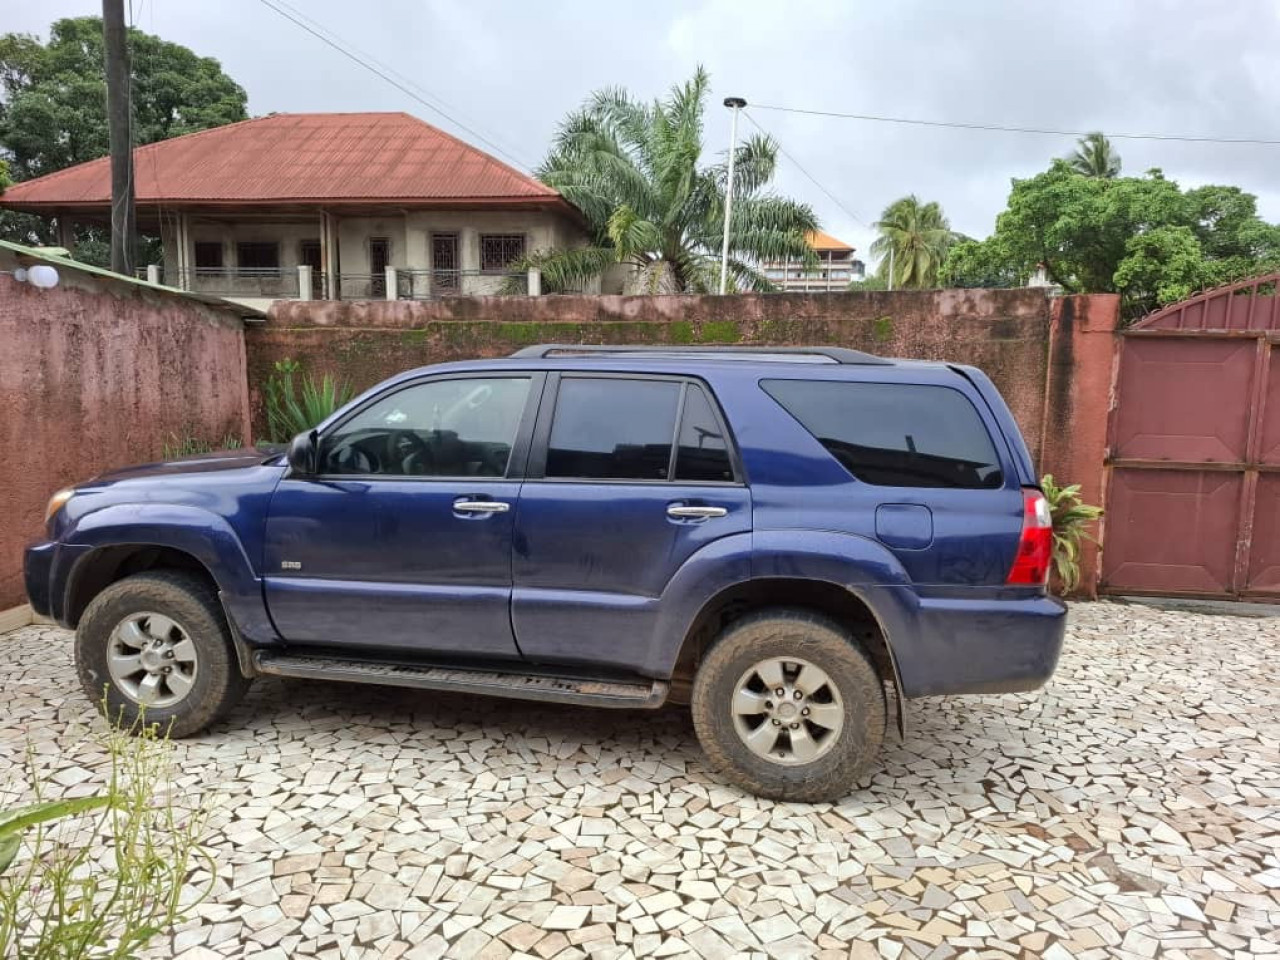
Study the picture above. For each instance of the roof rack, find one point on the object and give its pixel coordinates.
(792, 354)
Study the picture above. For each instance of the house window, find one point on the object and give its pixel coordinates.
(499, 250)
(309, 254)
(208, 255)
(258, 256)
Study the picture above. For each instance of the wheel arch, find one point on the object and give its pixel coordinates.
(838, 602)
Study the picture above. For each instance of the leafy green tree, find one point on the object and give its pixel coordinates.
(634, 170)
(1095, 157)
(1141, 237)
(919, 235)
(53, 101)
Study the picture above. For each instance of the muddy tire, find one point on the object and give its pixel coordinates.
(788, 706)
(156, 647)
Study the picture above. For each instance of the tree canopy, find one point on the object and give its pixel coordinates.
(919, 235)
(53, 97)
(634, 169)
(1144, 238)
(53, 101)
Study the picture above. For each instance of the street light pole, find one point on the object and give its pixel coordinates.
(735, 104)
(891, 266)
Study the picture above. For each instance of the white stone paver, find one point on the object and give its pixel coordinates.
(1130, 809)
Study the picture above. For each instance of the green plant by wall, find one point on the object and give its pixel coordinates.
(1071, 519)
(189, 444)
(101, 876)
(293, 407)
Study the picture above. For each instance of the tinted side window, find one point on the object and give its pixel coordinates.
(892, 434)
(613, 429)
(445, 428)
(703, 450)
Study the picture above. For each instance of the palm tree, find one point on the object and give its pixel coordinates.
(919, 235)
(1095, 157)
(633, 170)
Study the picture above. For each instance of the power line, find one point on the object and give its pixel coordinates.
(391, 80)
(998, 128)
(440, 103)
(812, 179)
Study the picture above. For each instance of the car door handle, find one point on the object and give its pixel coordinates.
(481, 506)
(683, 511)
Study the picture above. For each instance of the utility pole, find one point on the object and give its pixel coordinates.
(119, 125)
(891, 266)
(736, 104)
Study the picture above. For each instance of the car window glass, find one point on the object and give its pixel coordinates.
(703, 450)
(445, 428)
(895, 434)
(607, 429)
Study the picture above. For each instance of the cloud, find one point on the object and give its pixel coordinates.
(512, 70)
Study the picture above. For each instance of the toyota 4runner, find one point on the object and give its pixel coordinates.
(786, 540)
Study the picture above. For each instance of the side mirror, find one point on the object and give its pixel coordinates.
(302, 454)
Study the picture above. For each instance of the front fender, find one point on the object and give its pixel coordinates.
(200, 533)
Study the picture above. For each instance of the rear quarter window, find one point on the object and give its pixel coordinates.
(895, 434)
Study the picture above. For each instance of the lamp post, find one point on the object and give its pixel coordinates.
(735, 104)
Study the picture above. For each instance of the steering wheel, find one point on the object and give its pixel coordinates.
(346, 457)
(405, 447)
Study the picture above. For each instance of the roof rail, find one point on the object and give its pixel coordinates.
(818, 354)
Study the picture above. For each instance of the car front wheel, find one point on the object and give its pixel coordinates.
(156, 648)
(788, 706)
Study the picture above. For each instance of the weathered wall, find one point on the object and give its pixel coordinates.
(1050, 358)
(97, 374)
(1005, 332)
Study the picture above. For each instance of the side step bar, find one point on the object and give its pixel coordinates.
(519, 686)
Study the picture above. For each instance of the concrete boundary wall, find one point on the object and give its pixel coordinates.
(97, 374)
(1050, 357)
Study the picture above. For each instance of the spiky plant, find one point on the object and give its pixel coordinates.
(634, 170)
(294, 407)
(1071, 519)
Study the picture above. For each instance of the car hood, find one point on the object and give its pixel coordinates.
(186, 466)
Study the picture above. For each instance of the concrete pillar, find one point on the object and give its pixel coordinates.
(392, 293)
(185, 258)
(153, 273)
(305, 281)
(66, 232)
(535, 282)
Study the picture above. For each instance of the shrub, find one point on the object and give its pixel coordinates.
(101, 876)
(1071, 518)
(188, 444)
(294, 408)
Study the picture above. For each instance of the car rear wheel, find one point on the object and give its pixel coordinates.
(155, 647)
(788, 706)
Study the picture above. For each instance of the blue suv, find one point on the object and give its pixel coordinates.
(788, 541)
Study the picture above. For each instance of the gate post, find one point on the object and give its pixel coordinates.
(1078, 397)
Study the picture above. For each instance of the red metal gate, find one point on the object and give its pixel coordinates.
(1193, 455)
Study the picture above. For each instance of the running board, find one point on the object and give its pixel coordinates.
(519, 686)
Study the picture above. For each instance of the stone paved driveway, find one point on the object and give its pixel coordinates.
(1132, 808)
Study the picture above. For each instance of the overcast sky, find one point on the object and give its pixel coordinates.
(511, 70)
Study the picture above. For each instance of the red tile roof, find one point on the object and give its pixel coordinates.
(298, 158)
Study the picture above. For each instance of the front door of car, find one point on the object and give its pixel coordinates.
(629, 478)
(402, 541)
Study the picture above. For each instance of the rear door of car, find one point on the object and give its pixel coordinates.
(629, 477)
(926, 471)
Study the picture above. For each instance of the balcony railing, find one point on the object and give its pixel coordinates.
(291, 284)
(435, 284)
(274, 284)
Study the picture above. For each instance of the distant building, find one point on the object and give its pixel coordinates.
(321, 205)
(837, 267)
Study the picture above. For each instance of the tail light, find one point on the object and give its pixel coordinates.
(1035, 546)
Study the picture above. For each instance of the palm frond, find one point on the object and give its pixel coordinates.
(563, 271)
